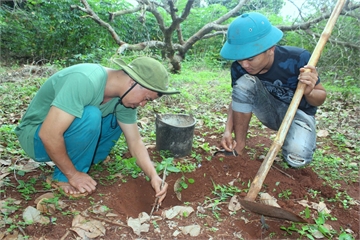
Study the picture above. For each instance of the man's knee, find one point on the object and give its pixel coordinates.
(300, 143)
(244, 92)
(246, 83)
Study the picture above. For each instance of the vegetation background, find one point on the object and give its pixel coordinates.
(66, 32)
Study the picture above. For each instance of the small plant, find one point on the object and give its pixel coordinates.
(124, 166)
(285, 194)
(167, 163)
(224, 192)
(182, 184)
(155, 224)
(309, 230)
(313, 193)
(344, 198)
(26, 188)
(186, 166)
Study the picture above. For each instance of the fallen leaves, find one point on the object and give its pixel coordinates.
(32, 215)
(267, 199)
(140, 224)
(87, 228)
(234, 204)
(176, 211)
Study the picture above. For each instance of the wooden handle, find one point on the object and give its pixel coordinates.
(285, 125)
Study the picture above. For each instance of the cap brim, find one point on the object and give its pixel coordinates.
(244, 51)
(139, 80)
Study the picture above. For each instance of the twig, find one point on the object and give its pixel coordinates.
(21, 230)
(65, 235)
(283, 172)
(109, 221)
(156, 204)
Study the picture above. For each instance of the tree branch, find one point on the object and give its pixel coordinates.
(306, 25)
(213, 25)
(98, 20)
(345, 44)
(141, 46)
(112, 15)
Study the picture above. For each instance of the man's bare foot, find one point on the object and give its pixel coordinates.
(66, 188)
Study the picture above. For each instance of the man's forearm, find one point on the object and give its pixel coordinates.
(229, 127)
(316, 97)
(55, 148)
(143, 160)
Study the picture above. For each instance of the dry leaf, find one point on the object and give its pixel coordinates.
(321, 206)
(29, 167)
(177, 210)
(1, 177)
(192, 230)
(137, 227)
(177, 186)
(49, 207)
(46, 195)
(245, 220)
(234, 204)
(5, 162)
(200, 209)
(44, 207)
(4, 175)
(267, 199)
(32, 215)
(87, 228)
(4, 205)
(322, 133)
(100, 209)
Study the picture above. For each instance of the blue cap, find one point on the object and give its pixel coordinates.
(249, 35)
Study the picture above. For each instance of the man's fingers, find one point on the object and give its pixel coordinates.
(88, 189)
(161, 198)
(225, 145)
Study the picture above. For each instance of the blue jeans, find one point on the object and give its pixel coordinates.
(88, 141)
(249, 95)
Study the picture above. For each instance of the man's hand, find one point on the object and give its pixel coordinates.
(227, 142)
(315, 94)
(82, 182)
(309, 76)
(156, 183)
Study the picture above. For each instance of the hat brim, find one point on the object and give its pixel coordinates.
(251, 49)
(139, 80)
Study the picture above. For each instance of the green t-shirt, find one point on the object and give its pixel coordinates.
(70, 90)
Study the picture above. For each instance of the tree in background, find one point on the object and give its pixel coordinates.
(178, 34)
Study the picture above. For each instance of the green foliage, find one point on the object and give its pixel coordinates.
(254, 5)
(26, 188)
(47, 30)
(167, 163)
(183, 183)
(223, 192)
(312, 230)
(124, 166)
(285, 194)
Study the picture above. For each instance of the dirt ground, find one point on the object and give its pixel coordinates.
(127, 199)
(105, 214)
